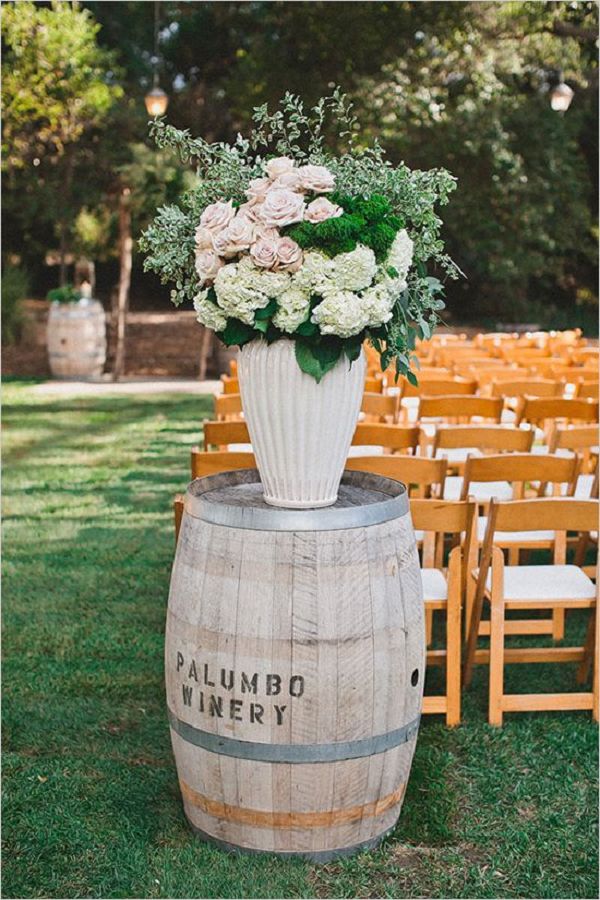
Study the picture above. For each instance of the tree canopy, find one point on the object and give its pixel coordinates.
(459, 85)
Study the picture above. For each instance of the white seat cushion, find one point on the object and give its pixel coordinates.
(546, 583)
(435, 586)
(480, 490)
(513, 537)
(239, 448)
(366, 450)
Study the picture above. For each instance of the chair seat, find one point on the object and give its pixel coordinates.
(545, 583)
(513, 537)
(435, 586)
(239, 448)
(481, 491)
(367, 450)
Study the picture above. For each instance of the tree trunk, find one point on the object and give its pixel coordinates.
(125, 257)
(206, 345)
(62, 279)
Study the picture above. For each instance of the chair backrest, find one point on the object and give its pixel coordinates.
(220, 434)
(374, 384)
(555, 514)
(392, 437)
(524, 354)
(537, 410)
(521, 469)
(230, 384)
(228, 406)
(203, 463)
(587, 390)
(485, 376)
(459, 407)
(532, 387)
(497, 438)
(438, 518)
(381, 407)
(580, 439)
(439, 387)
(422, 475)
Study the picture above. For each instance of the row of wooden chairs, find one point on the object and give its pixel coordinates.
(453, 407)
(505, 589)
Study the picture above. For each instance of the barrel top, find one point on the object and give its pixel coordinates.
(235, 499)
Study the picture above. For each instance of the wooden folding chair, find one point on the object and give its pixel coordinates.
(519, 471)
(443, 588)
(587, 390)
(424, 477)
(380, 407)
(546, 413)
(581, 440)
(374, 384)
(221, 435)
(456, 442)
(531, 387)
(228, 406)
(213, 462)
(377, 437)
(507, 588)
(459, 408)
(230, 384)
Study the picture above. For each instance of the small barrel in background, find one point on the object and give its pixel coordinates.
(295, 661)
(76, 338)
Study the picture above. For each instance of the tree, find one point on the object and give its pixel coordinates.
(59, 87)
(475, 100)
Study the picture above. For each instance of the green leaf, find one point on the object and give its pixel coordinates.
(318, 359)
(236, 332)
(353, 348)
(261, 325)
(412, 378)
(266, 312)
(307, 329)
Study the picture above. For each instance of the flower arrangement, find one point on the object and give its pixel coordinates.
(282, 238)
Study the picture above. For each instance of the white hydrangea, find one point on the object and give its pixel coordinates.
(273, 284)
(208, 313)
(378, 304)
(401, 254)
(316, 274)
(342, 313)
(235, 297)
(294, 305)
(356, 270)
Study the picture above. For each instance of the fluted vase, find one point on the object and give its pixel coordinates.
(300, 430)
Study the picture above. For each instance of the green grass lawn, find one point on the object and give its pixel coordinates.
(91, 803)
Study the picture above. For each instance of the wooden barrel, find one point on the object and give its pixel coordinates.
(76, 339)
(295, 661)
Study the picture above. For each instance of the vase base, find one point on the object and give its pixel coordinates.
(299, 504)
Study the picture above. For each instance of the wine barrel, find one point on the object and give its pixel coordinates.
(295, 661)
(76, 338)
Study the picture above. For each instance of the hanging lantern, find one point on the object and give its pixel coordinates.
(561, 96)
(156, 102)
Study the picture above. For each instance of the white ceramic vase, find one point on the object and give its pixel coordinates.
(300, 430)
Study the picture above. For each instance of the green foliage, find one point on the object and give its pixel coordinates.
(15, 287)
(64, 294)
(318, 355)
(366, 221)
(476, 98)
(55, 80)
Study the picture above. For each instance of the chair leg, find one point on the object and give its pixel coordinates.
(583, 669)
(596, 664)
(178, 514)
(428, 627)
(513, 556)
(496, 689)
(453, 639)
(558, 624)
